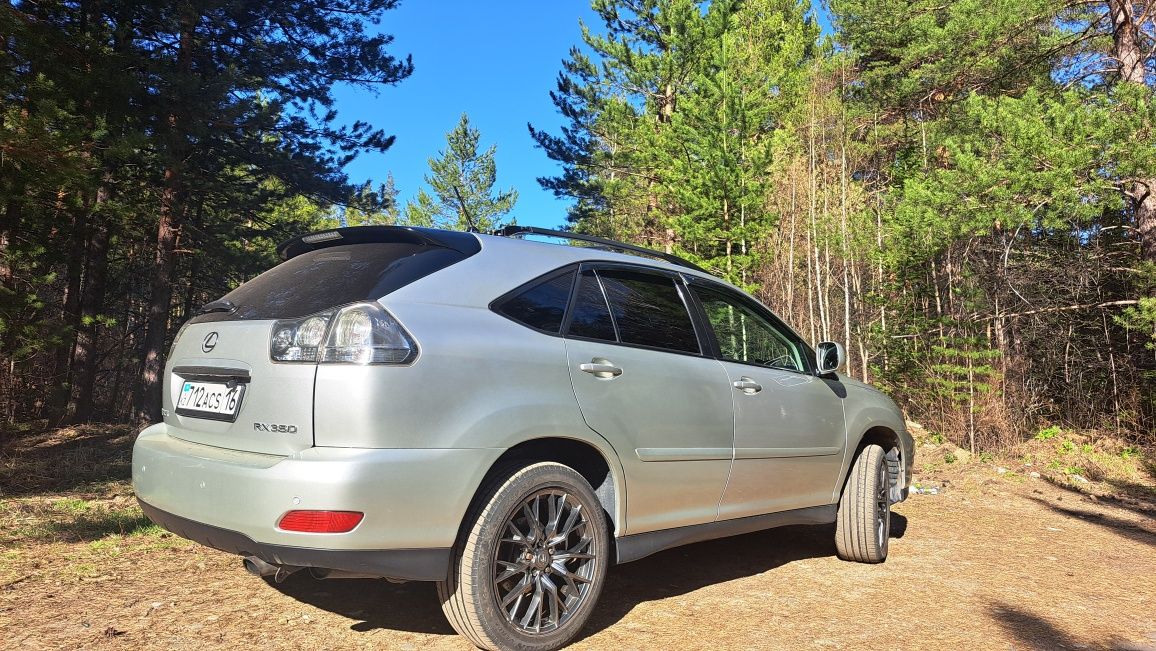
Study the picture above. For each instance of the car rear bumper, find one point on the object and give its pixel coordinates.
(410, 564)
(413, 499)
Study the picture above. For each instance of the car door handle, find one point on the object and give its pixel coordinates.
(601, 368)
(747, 385)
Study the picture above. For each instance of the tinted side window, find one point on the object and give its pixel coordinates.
(542, 306)
(648, 310)
(744, 335)
(591, 316)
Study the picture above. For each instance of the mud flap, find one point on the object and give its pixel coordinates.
(895, 476)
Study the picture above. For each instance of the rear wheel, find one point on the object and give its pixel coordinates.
(528, 570)
(864, 523)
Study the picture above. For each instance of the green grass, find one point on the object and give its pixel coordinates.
(71, 519)
(72, 505)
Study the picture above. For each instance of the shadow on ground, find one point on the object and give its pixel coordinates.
(65, 460)
(1125, 528)
(1036, 632)
(414, 606)
(375, 603)
(94, 526)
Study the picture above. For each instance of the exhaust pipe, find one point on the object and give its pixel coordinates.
(322, 573)
(258, 567)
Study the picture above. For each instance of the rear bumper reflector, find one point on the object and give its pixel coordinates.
(320, 521)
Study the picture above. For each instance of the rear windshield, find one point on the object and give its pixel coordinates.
(335, 275)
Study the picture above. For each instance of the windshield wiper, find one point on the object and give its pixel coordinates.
(219, 305)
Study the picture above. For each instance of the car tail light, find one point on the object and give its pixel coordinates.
(362, 333)
(367, 334)
(320, 521)
(297, 340)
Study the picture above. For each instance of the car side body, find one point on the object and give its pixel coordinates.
(677, 445)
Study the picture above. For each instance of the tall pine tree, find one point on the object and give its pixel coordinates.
(462, 181)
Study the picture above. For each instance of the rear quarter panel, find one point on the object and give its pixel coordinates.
(480, 380)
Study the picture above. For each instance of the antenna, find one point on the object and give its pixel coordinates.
(473, 226)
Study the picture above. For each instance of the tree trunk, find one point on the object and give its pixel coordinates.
(148, 394)
(1127, 51)
(147, 399)
(69, 318)
(84, 363)
(9, 219)
(1145, 199)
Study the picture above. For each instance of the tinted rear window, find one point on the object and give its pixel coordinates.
(336, 275)
(542, 306)
(591, 316)
(649, 311)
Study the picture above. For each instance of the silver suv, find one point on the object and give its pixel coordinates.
(506, 417)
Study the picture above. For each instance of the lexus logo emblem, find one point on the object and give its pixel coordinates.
(209, 343)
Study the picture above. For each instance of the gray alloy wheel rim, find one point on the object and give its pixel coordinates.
(882, 502)
(545, 562)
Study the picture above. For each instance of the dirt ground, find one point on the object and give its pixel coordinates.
(992, 560)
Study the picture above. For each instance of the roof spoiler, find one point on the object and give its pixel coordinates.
(464, 243)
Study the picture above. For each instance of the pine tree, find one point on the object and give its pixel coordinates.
(462, 182)
(162, 133)
(621, 104)
(723, 137)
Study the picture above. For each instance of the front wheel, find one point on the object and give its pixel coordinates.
(528, 570)
(864, 523)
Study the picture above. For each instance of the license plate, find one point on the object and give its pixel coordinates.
(213, 400)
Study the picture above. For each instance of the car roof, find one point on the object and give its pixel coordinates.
(567, 253)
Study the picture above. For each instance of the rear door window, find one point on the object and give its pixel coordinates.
(591, 319)
(648, 310)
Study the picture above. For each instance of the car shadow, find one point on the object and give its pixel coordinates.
(414, 606)
(375, 603)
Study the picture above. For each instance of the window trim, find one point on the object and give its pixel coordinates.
(572, 306)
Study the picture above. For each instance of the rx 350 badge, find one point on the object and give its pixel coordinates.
(275, 428)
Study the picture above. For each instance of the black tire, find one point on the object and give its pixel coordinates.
(509, 587)
(864, 523)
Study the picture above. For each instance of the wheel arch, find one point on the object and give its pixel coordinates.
(894, 455)
(587, 459)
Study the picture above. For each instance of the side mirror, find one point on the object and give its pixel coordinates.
(829, 357)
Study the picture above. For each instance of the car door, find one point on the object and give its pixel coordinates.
(790, 432)
(642, 382)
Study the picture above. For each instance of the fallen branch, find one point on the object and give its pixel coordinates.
(1044, 310)
(1065, 308)
(15, 581)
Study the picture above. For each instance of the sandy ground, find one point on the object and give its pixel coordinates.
(990, 562)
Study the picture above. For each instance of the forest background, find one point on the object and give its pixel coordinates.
(962, 193)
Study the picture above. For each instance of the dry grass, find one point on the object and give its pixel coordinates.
(995, 560)
(68, 459)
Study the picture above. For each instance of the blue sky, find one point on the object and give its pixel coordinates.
(495, 61)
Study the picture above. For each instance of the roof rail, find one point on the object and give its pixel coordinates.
(602, 242)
